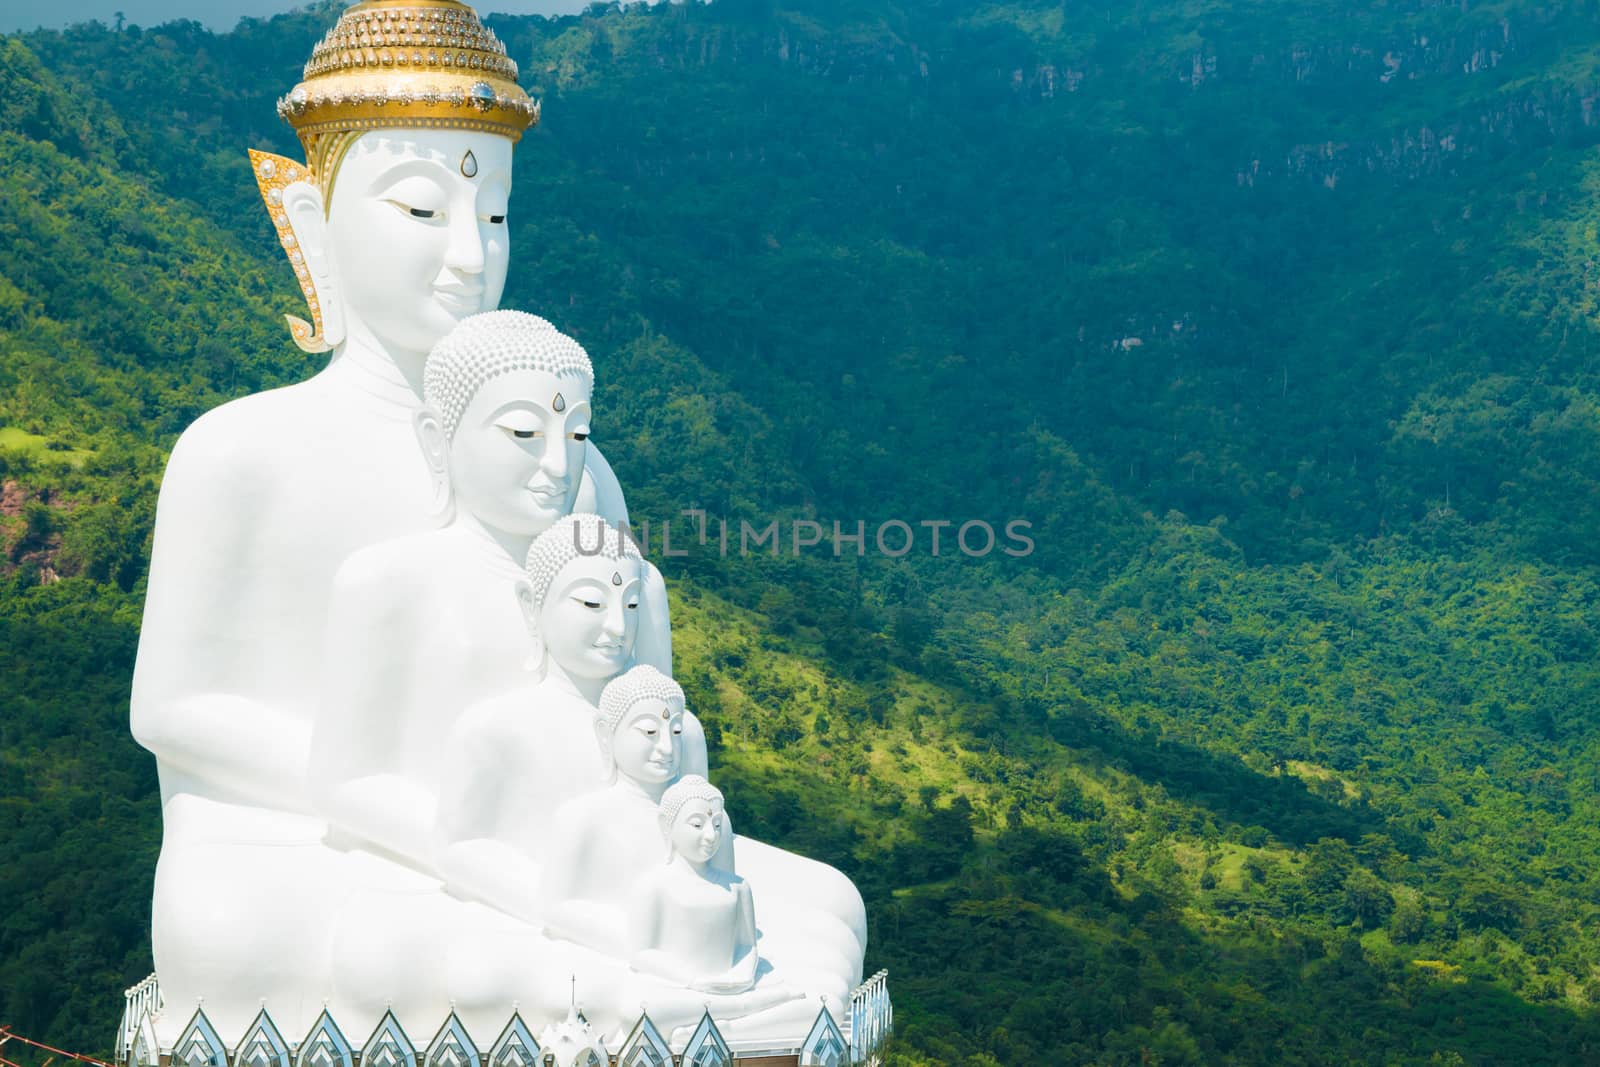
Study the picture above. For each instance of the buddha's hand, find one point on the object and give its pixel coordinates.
(683, 1006)
(736, 979)
(732, 981)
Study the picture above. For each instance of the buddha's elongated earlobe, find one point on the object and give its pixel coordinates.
(436, 453)
(608, 762)
(537, 658)
(308, 228)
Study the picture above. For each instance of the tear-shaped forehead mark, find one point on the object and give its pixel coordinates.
(469, 165)
(559, 404)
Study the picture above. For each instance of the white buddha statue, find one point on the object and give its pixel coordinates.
(509, 762)
(692, 921)
(422, 627)
(396, 228)
(603, 840)
(604, 843)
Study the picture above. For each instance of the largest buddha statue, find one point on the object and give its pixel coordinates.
(396, 227)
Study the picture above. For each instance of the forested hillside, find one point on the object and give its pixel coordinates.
(1277, 319)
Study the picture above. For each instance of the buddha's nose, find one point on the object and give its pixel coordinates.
(465, 253)
(554, 461)
(615, 624)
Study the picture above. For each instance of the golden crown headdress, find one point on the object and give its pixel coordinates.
(421, 64)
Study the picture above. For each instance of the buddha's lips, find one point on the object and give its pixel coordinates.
(547, 492)
(467, 298)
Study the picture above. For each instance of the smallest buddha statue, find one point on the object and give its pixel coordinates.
(693, 922)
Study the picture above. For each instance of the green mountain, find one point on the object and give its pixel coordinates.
(1278, 323)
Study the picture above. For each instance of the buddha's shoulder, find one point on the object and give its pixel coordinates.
(254, 432)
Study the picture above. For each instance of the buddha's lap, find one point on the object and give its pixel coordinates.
(274, 914)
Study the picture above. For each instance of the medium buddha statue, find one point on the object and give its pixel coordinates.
(512, 760)
(424, 626)
(602, 839)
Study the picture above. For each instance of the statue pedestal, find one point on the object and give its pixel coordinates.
(830, 1042)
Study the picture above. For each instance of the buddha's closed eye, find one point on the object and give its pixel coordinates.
(416, 212)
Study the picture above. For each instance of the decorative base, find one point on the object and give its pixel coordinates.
(570, 1043)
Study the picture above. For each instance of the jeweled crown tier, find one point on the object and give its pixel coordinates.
(408, 64)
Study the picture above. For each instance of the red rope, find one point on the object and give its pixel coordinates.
(7, 1034)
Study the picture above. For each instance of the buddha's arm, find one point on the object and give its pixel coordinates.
(599, 492)
(653, 645)
(568, 901)
(645, 918)
(695, 759)
(199, 702)
(647, 958)
(474, 857)
(745, 959)
(491, 871)
(370, 642)
(747, 922)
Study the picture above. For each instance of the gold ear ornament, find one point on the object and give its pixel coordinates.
(274, 174)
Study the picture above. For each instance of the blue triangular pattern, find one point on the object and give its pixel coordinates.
(515, 1047)
(388, 1046)
(824, 1046)
(706, 1048)
(645, 1047)
(452, 1046)
(199, 1045)
(263, 1045)
(325, 1045)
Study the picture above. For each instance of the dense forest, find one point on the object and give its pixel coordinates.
(1276, 320)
